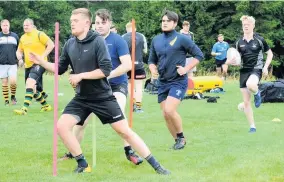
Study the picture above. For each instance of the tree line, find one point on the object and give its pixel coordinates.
(207, 19)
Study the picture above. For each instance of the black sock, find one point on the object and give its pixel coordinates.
(180, 135)
(81, 160)
(127, 149)
(152, 161)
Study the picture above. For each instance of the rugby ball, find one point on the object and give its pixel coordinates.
(241, 106)
(231, 54)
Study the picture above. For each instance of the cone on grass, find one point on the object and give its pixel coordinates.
(276, 120)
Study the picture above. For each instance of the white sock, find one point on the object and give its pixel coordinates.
(252, 126)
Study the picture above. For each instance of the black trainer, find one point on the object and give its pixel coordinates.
(66, 156)
(135, 159)
(81, 169)
(14, 100)
(7, 103)
(180, 144)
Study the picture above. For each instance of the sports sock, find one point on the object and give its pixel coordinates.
(81, 160)
(28, 98)
(180, 135)
(13, 88)
(138, 105)
(252, 126)
(38, 96)
(152, 161)
(43, 93)
(5, 91)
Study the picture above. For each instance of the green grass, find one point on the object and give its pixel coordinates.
(219, 146)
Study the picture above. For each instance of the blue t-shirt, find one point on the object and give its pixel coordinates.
(221, 47)
(117, 47)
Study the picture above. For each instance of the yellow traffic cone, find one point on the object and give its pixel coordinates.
(276, 120)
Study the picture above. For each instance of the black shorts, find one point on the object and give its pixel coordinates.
(108, 110)
(35, 72)
(219, 63)
(122, 88)
(244, 75)
(139, 74)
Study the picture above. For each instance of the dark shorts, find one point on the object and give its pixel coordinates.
(175, 89)
(244, 75)
(122, 88)
(219, 63)
(35, 72)
(139, 74)
(108, 110)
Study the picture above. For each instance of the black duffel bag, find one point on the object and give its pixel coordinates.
(272, 91)
(151, 86)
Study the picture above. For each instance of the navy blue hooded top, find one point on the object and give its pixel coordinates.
(168, 50)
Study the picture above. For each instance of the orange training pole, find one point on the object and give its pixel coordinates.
(130, 119)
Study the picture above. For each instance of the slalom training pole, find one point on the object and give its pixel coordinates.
(94, 140)
(55, 98)
(130, 119)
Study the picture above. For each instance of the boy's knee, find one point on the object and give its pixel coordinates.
(251, 85)
(168, 112)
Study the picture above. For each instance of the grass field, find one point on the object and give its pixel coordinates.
(219, 147)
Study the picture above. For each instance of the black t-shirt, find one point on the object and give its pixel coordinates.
(252, 52)
(141, 44)
(8, 47)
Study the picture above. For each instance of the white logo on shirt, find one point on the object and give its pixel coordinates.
(242, 45)
(254, 45)
(85, 50)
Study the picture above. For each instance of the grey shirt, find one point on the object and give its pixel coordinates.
(140, 49)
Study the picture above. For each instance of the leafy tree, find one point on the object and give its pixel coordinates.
(207, 19)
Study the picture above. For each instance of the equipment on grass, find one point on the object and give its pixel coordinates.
(133, 48)
(276, 120)
(55, 98)
(202, 84)
(212, 100)
(151, 86)
(272, 91)
(232, 53)
(241, 106)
